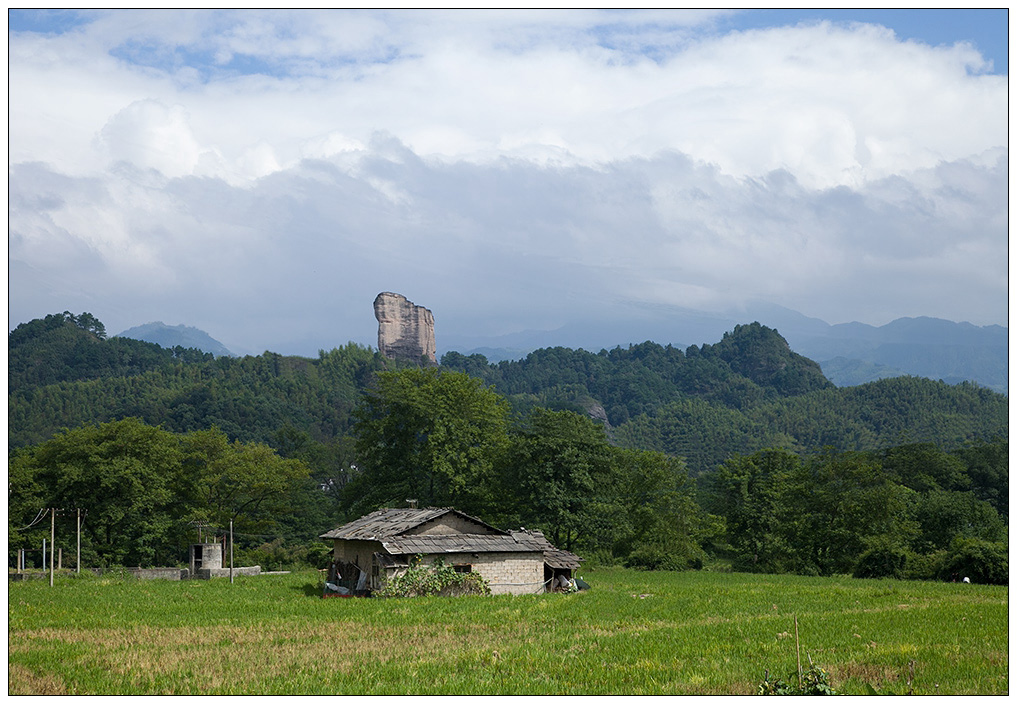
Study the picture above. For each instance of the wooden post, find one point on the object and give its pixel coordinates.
(52, 544)
(43, 553)
(60, 559)
(21, 560)
(799, 653)
(231, 551)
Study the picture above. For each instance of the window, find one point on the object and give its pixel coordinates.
(463, 568)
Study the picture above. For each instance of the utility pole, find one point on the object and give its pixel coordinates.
(77, 569)
(231, 551)
(52, 543)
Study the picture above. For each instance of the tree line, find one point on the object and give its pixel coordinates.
(144, 491)
(445, 439)
(614, 454)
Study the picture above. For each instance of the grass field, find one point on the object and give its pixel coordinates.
(633, 633)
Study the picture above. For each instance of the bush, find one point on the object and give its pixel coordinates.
(653, 558)
(881, 562)
(982, 562)
(278, 555)
(438, 579)
(924, 567)
(815, 681)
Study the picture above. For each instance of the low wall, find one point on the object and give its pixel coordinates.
(165, 573)
(225, 573)
(169, 574)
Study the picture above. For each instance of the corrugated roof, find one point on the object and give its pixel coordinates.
(389, 522)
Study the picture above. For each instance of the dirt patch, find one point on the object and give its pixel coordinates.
(873, 674)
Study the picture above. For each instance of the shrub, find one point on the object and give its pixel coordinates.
(278, 555)
(653, 558)
(925, 567)
(815, 681)
(436, 579)
(882, 561)
(982, 562)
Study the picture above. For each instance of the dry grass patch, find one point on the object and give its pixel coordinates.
(202, 659)
(22, 681)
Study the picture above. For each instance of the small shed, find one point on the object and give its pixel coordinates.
(206, 556)
(369, 551)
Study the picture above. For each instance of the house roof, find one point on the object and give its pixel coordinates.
(390, 522)
(437, 544)
(553, 557)
(389, 525)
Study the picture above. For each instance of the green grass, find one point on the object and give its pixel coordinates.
(634, 633)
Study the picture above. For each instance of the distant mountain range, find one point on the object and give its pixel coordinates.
(170, 336)
(850, 354)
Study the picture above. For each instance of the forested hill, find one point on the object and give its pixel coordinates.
(745, 392)
(67, 347)
(751, 365)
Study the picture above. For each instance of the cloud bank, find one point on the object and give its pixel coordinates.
(263, 175)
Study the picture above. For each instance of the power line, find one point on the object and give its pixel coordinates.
(36, 521)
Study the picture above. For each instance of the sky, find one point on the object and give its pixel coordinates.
(263, 175)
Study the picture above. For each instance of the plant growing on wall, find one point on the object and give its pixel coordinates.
(436, 579)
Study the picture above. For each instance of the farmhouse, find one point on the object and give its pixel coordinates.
(377, 547)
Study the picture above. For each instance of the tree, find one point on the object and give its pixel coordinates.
(245, 482)
(988, 467)
(120, 473)
(749, 493)
(835, 505)
(666, 526)
(925, 467)
(945, 515)
(428, 435)
(561, 473)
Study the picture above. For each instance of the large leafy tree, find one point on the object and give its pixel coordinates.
(243, 482)
(433, 436)
(139, 487)
(666, 527)
(835, 505)
(121, 474)
(562, 474)
(748, 492)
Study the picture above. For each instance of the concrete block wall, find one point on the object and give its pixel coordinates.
(225, 572)
(507, 572)
(517, 573)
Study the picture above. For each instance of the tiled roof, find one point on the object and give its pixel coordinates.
(388, 525)
(455, 544)
(553, 557)
(389, 522)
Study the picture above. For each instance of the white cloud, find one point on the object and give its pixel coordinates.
(520, 244)
(832, 105)
(149, 134)
(511, 173)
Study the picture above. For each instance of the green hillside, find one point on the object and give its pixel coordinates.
(649, 456)
(746, 392)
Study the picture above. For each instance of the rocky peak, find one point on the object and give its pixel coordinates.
(405, 330)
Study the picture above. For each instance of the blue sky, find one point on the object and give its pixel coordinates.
(262, 175)
(986, 29)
